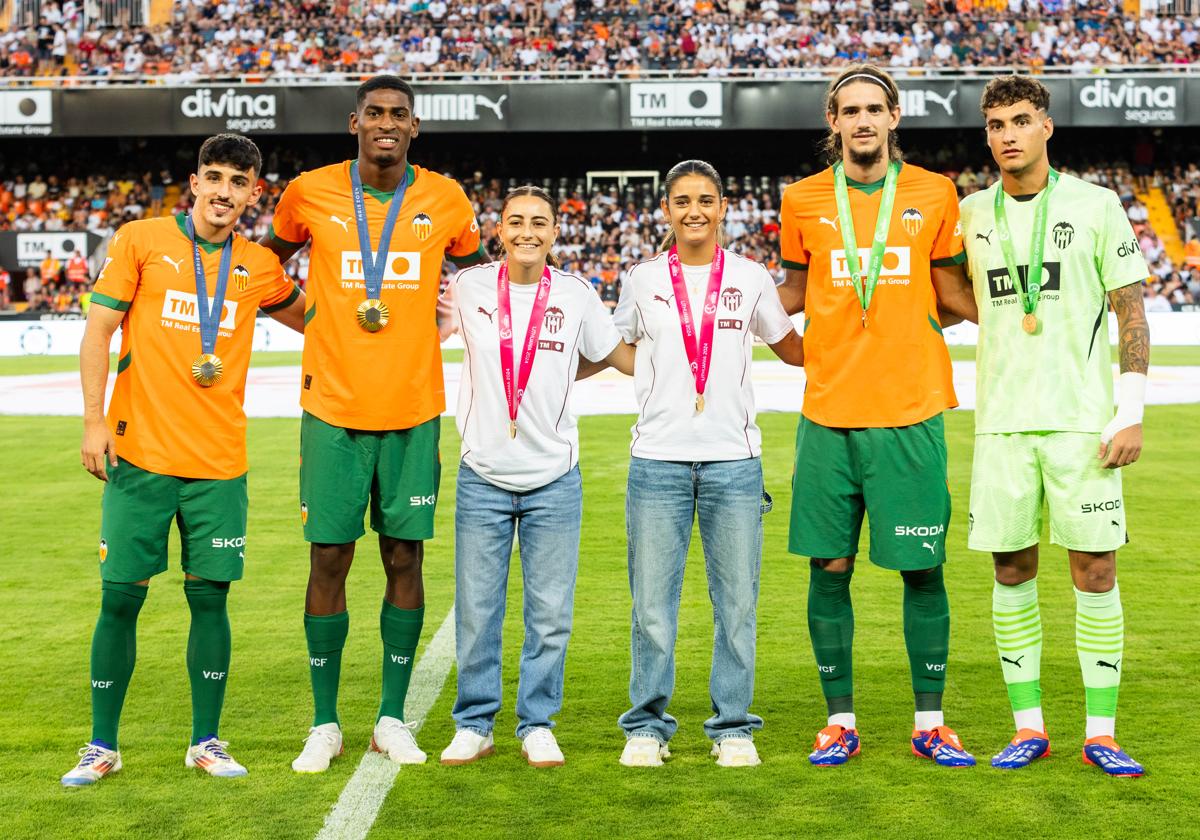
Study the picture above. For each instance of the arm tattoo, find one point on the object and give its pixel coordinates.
(1132, 327)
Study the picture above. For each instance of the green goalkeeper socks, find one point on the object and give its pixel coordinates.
(326, 636)
(1100, 641)
(1017, 622)
(208, 653)
(927, 634)
(831, 628)
(114, 651)
(400, 630)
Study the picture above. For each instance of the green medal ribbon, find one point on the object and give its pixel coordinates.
(1030, 293)
(865, 291)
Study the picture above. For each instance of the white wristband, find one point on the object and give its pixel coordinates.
(1131, 404)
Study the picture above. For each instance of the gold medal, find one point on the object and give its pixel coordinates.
(372, 314)
(699, 403)
(207, 370)
(1029, 323)
(512, 429)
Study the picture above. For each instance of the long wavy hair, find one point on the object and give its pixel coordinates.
(832, 145)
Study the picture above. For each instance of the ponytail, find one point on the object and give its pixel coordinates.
(692, 167)
(552, 259)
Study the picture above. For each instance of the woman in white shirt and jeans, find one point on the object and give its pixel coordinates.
(693, 312)
(524, 324)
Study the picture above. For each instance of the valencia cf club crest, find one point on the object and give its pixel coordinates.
(553, 321)
(103, 550)
(304, 513)
(732, 298)
(1063, 234)
(241, 277)
(912, 220)
(422, 226)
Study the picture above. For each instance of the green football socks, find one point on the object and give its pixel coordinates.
(400, 630)
(1100, 641)
(326, 636)
(927, 637)
(208, 652)
(114, 651)
(831, 628)
(1017, 622)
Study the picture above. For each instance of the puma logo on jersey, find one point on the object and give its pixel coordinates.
(345, 224)
(489, 315)
(985, 237)
(666, 300)
(1016, 661)
(175, 265)
(831, 222)
(932, 548)
(1102, 664)
(494, 107)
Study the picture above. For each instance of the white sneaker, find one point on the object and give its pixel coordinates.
(211, 757)
(468, 746)
(644, 751)
(540, 748)
(736, 752)
(323, 744)
(95, 762)
(394, 738)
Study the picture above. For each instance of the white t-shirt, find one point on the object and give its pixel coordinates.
(547, 442)
(668, 427)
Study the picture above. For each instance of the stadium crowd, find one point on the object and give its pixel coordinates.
(299, 38)
(605, 229)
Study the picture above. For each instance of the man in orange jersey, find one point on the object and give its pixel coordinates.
(185, 291)
(872, 248)
(371, 391)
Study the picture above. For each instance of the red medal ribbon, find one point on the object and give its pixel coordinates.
(531, 340)
(699, 352)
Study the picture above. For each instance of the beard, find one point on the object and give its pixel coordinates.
(866, 159)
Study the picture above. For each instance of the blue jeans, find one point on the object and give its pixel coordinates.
(661, 502)
(546, 522)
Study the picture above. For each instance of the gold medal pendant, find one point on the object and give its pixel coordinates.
(512, 429)
(372, 315)
(1029, 323)
(207, 370)
(699, 403)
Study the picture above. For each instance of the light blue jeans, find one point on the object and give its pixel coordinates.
(660, 505)
(546, 522)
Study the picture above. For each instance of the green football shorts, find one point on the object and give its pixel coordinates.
(896, 476)
(344, 470)
(1013, 473)
(135, 524)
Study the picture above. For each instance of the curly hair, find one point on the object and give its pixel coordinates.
(1009, 90)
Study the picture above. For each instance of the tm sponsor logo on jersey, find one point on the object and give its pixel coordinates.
(179, 311)
(1137, 103)
(240, 111)
(402, 270)
(1001, 288)
(896, 270)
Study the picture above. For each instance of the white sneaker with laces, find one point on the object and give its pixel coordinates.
(211, 757)
(95, 762)
(736, 752)
(394, 738)
(644, 751)
(323, 744)
(468, 746)
(540, 748)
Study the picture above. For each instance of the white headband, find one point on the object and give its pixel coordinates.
(868, 76)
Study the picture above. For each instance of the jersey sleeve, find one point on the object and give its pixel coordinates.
(626, 317)
(1120, 258)
(279, 292)
(598, 336)
(117, 282)
(948, 244)
(288, 224)
(791, 240)
(770, 322)
(466, 248)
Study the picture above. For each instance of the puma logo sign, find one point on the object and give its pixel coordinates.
(345, 224)
(1102, 664)
(823, 221)
(1016, 661)
(932, 547)
(494, 107)
(1115, 523)
(986, 238)
(175, 265)
(483, 311)
(666, 300)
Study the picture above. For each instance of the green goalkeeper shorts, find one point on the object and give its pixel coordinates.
(1012, 474)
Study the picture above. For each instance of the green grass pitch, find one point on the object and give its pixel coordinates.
(49, 590)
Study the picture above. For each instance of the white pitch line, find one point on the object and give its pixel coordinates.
(358, 805)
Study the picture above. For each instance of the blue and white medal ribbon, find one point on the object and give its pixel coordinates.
(207, 369)
(373, 313)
